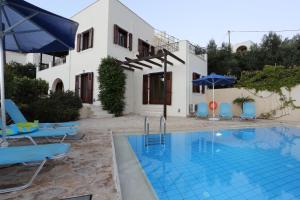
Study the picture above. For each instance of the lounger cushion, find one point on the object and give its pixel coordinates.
(36, 153)
(10, 130)
(27, 127)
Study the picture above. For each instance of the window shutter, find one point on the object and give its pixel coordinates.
(203, 89)
(116, 34)
(78, 42)
(91, 38)
(145, 89)
(90, 87)
(130, 41)
(152, 51)
(196, 88)
(169, 88)
(77, 81)
(140, 48)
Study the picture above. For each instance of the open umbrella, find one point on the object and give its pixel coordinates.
(26, 28)
(214, 80)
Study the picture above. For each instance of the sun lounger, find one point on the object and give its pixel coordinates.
(17, 116)
(13, 133)
(29, 154)
(226, 111)
(202, 110)
(249, 111)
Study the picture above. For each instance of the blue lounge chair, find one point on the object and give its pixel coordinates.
(249, 111)
(16, 115)
(202, 110)
(29, 154)
(13, 133)
(226, 111)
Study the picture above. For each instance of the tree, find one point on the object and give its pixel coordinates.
(273, 50)
(112, 81)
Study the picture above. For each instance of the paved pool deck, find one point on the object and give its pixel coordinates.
(89, 168)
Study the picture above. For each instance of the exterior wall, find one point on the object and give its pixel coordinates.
(265, 101)
(95, 16)
(50, 75)
(102, 16)
(129, 21)
(15, 57)
(198, 65)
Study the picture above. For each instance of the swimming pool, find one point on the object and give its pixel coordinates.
(252, 163)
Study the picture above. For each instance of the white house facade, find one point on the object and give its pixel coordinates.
(109, 28)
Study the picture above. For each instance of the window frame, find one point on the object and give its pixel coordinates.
(147, 90)
(83, 42)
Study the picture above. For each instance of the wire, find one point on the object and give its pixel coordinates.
(263, 31)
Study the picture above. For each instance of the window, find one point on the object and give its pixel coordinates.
(153, 88)
(122, 37)
(85, 40)
(143, 48)
(196, 88)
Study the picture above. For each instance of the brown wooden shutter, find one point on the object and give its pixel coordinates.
(78, 42)
(90, 87)
(152, 51)
(145, 89)
(91, 38)
(116, 34)
(203, 89)
(169, 88)
(130, 41)
(196, 88)
(140, 48)
(77, 85)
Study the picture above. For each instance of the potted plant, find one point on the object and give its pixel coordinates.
(241, 100)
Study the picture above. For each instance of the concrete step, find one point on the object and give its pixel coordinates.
(94, 112)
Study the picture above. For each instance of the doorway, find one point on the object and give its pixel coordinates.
(84, 87)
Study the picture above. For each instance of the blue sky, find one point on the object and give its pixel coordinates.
(201, 20)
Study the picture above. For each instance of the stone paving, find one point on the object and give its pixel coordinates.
(88, 169)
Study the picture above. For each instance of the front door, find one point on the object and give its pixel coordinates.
(85, 86)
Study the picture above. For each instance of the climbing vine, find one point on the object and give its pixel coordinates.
(273, 79)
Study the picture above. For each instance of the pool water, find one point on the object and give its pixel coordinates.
(253, 163)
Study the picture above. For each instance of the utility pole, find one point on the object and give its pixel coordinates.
(229, 39)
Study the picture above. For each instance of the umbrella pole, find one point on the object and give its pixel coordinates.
(2, 88)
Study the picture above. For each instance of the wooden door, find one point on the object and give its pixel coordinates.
(87, 87)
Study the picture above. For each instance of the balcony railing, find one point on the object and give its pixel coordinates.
(59, 61)
(197, 50)
(43, 66)
(172, 47)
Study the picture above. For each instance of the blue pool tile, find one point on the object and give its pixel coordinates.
(252, 163)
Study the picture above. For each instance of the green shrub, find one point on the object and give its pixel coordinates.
(58, 107)
(19, 70)
(67, 98)
(271, 78)
(112, 80)
(25, 90)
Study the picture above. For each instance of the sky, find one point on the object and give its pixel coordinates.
(201, 20)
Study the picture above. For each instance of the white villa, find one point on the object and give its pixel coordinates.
(109, 28)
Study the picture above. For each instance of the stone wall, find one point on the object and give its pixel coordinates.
(265, 101)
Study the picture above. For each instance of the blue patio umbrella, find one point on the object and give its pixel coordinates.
(214, 80)
(26, 28)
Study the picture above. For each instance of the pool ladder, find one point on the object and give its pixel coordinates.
(162, 129)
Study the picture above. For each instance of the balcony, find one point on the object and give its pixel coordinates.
(49, 61)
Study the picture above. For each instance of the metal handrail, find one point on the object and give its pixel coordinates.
(146, 125)
(162, 120)
(162, 132)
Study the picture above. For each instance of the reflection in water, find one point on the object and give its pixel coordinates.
(261, 163)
